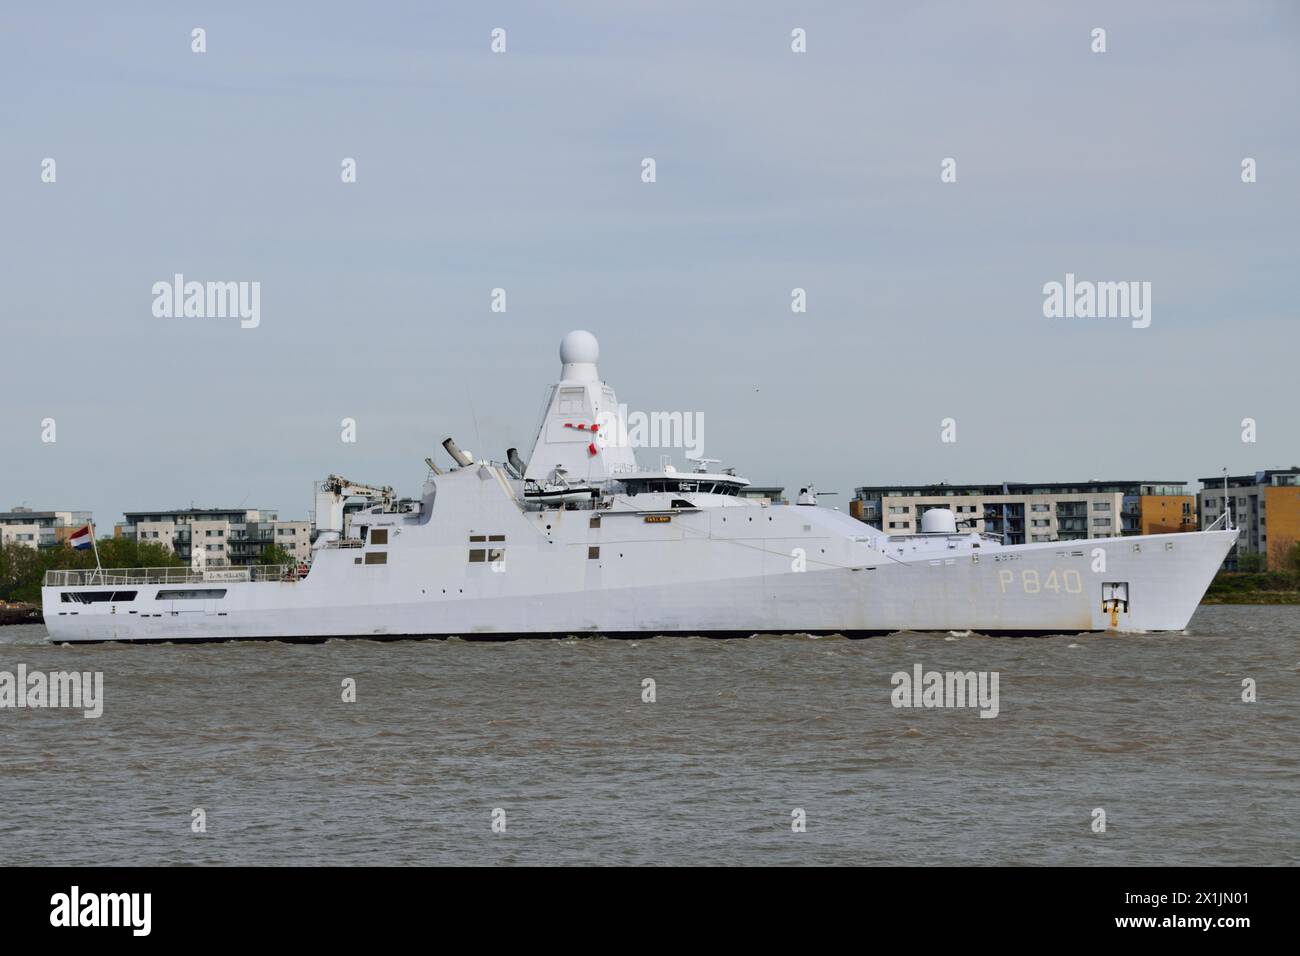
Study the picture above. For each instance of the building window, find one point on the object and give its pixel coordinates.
(377, 557)
(1101, 522)
(1101, 506)
(477, 555)
(379, 536)
(593, 552)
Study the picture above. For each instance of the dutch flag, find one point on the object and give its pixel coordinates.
(81, 539)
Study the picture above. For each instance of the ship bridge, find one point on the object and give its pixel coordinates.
(676, 482)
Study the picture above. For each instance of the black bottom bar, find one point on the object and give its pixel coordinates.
(945, 906)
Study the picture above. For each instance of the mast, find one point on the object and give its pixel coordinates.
(1227, 508)
(99, 570)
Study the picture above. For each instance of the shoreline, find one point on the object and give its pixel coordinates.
(21, 614)
(1254, 587)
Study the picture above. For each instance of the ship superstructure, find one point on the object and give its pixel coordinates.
(579, 539)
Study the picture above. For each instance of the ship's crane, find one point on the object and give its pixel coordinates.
(330, 497)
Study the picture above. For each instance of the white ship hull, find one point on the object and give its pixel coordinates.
(710, 586)
(631, 552)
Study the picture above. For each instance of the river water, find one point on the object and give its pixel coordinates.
(556, 737)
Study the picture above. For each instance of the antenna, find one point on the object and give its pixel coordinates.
(1227, 508)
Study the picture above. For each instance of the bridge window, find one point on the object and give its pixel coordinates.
(96, 597)
(195, 594)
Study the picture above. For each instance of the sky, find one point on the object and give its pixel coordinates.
(522, 170)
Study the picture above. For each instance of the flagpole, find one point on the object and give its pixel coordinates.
(95, 545)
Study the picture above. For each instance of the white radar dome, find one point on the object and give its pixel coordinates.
(579, 347)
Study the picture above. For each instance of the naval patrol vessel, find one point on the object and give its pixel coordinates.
(579, 539)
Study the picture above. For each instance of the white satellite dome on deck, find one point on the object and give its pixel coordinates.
(939, 521)
(579, 353)
(579, 346)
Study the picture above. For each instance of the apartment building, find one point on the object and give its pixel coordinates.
(1265, 506)
(1027, 512)
(227, 536)
(40, 529)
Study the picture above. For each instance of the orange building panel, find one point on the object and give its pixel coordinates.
(1167, 514)
(1282, 512)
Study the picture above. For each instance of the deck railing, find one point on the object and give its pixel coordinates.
(114, 576)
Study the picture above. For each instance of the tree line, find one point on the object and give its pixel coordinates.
(22, 568)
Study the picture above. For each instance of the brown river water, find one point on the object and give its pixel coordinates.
(1152, 729)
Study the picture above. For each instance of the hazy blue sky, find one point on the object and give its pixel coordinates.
(522, 171)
